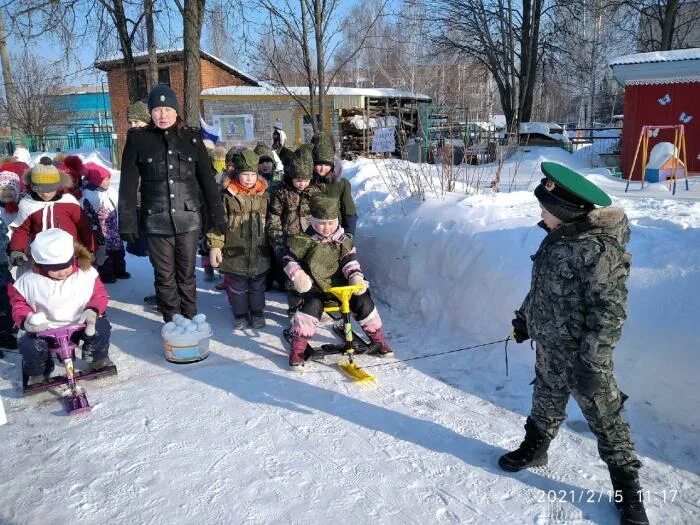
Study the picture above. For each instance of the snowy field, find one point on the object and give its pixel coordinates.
(239, 439)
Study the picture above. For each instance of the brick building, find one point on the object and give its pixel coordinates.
(214, 72)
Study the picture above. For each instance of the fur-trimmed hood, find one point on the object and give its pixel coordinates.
(610, 221)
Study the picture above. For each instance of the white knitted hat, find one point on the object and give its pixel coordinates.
(52, 246)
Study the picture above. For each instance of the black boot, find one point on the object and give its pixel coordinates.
(531, 453)
(628, 495)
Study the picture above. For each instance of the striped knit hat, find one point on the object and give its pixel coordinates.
(44, 177)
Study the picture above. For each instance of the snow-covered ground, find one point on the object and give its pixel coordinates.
(239, 439)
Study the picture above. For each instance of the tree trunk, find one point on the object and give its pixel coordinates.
(306, 54)
(193, 18)
(7, 75)
(120, 23)
(151, 38)
(668, 24)
(319, 22)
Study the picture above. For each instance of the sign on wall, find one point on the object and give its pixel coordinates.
(383, 140)
(235, 127)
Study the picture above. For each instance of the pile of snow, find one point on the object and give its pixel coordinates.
(462, 265)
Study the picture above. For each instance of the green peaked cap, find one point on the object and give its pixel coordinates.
(575, 183)
(324, 207)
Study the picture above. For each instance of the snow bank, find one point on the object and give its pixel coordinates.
(462, 265)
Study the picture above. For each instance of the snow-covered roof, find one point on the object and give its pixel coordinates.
(116, 60)
(679, 65)
(302, 91)
(658, 56)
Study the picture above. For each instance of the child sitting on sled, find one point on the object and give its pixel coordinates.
(316, 260)
(62, 288)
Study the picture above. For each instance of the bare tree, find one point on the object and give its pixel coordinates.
(35, 108)
(663, 24)
(151, 39)
(314, 28)
(504, 36)
(192, 20)
(8, 80)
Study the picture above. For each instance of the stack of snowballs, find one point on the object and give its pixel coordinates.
(196, 328)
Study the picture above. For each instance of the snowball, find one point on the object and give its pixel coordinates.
(179, 319)
(199, 318)
(204, 328)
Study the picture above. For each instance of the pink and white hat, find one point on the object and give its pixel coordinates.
(11, 180)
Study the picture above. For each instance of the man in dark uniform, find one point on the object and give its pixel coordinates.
(574, 312)
(169, 167)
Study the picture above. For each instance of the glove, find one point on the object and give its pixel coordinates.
(519, 328)
(101, 255)
(130, 238)
(302, 281)
(215, 257)
(89, 317)
(36, 323)
(18, 259)
(358, 279)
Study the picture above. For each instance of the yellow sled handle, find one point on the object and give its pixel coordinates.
(343, 294)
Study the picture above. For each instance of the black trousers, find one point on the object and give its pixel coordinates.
(173, 258)
(114, 265)
(245, 294)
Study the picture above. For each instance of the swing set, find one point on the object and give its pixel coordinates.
(679, 147)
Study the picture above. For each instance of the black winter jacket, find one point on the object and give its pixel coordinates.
(169, 175)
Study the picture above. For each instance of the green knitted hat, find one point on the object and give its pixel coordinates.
(138, 111)
(324, 207)
(323, 149)
(245, 160)
(302, 164)
(264, 153)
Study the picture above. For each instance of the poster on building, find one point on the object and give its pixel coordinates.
(235, 128)
(383, 141)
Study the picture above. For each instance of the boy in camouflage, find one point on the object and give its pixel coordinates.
(328, 172)
(242, 251)
(322, 257)
(574, 313)
(289, 213)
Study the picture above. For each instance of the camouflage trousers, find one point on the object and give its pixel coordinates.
(596, 393)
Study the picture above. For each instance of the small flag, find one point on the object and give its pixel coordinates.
(209, 132)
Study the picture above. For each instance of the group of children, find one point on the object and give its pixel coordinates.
(60, 228)
(298, 230)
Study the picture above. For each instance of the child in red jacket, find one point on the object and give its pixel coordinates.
(48, 206)
(62, 288)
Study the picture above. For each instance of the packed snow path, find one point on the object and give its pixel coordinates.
(238, 438)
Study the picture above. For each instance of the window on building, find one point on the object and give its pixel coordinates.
(164, 75)
(142, 85)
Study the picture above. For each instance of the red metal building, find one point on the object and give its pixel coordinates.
(661, 88)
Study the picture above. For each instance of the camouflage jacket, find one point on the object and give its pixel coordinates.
(578, 295)
(289, 213)
(244, 246)
(327, 263)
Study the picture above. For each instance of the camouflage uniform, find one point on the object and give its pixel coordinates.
(574, 312)
(334, 184)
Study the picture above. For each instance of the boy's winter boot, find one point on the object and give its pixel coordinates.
(209, 274)
(296, 353)
(240, 322)
(380, 346)
(531, 453)
(628, 495)
(257, 320)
